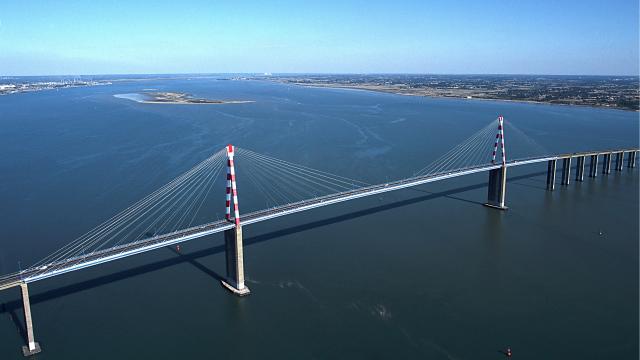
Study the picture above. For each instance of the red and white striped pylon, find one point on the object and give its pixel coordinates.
(500, 136)
(232, 191)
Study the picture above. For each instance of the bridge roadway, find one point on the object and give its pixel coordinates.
(122, 251)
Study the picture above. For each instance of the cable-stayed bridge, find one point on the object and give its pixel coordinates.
(166, 216)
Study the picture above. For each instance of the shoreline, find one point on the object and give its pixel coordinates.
(395, 92)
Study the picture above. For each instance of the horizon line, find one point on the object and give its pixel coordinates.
(323, 73)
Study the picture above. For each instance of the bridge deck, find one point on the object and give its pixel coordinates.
(106, 255)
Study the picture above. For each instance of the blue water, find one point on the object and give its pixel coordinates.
(423, 273)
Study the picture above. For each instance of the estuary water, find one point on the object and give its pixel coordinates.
(426, 273)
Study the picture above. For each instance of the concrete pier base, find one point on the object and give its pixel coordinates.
(631, 161)
(551, 175)
(235, 262)
(593, 166)
(580, 169)
(619, 161)
(497, 188)
(28, 352)
(32, 346)
(606, 164)
(566, 171)
(234, 288)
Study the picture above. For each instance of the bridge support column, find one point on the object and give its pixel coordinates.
(497, 188)
(580, 169)
(606, 164)
(566, 171)
(551, 174)
(235, 262)
(619, 161)
(593, 166)
(32, 346)
(631, 161)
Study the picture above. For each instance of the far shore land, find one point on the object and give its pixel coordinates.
(439, 95)
(177, 98)
(614, 93)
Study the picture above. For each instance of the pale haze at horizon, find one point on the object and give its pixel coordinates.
(506, 37)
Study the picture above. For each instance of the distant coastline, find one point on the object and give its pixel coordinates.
(389, 91)
(24, 87)
(614, 93)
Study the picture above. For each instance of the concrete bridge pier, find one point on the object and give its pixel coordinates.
(619, 160)
(235, 262)
(606, 164)
(580, 169)
(566, 171)
(593, 166)
(497, 188)
(631, 161)
(32, 346)
(551, 174)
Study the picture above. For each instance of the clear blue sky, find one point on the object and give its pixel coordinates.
(480, 36)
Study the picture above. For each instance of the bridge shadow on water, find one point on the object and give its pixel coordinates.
(13, 315)
(14, 306)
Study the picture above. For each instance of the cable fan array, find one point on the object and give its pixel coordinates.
(523, 146)
(477, 149)
(177, 204)
(281, 182)
(474, 151)
(172, 207)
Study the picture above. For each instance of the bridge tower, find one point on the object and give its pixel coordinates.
(32, 346)
(498, 177)
(233, 236)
